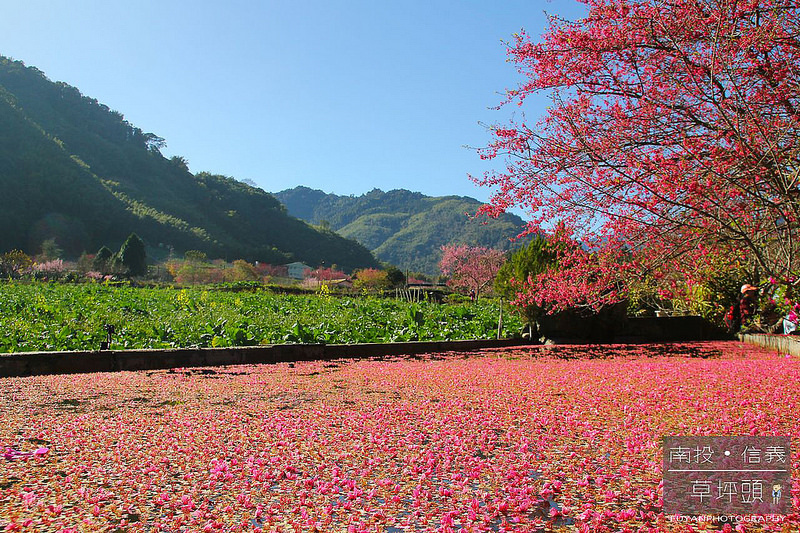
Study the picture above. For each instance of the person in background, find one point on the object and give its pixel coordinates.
(790, 322)
(770, 320)
(743, 310)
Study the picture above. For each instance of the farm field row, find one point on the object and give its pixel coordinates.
(524, 439)
(51, 316)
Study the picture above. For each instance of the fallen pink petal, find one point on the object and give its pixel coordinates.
(555, 438)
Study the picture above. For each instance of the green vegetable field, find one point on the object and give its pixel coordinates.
(51, 316)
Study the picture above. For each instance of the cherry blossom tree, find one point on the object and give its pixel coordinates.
(673, 136)
(470, 268)
(277, 271)
(327, 274)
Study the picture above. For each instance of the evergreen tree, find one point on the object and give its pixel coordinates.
(133, 256)
(396, 276)
(102, 260)
(533, 260)
(50, 250)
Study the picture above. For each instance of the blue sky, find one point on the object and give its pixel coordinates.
(339, 96)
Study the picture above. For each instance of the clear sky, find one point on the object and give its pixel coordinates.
(341, 96)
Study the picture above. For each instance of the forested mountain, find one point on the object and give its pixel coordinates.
(402, 227)
(74, 170)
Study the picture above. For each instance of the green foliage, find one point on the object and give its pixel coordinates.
(180, 162)
(102, 260)
(50, 250)
(195, 256)
(395, 276)
(371, 279)
(14, 263)
(532, 260)
(195, 270)
(401, 227)
(710, 295)
(242, 271)
(133, 256)
(456, 298)
(643, 297)
(49, 316)
(73, 170)
(715, 294)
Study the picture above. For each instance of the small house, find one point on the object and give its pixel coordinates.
(297, 270)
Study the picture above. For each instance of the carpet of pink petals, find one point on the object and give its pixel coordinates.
(529, 439)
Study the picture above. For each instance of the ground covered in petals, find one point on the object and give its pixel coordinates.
(532, 439)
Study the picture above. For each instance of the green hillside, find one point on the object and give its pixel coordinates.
(74, 170)
(402, 227)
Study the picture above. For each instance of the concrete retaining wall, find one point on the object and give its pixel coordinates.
(36, 363)
(784, 344)
(637, 330)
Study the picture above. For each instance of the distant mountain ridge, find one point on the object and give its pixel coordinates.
(402, 227)
(74, 170)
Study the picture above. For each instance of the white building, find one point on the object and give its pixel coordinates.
(297, 270)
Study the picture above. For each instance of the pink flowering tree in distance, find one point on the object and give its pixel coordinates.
(672, 138)
(327, 274)
(470, 267)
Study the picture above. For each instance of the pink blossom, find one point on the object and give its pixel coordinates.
(449, 441)
(658, 143)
